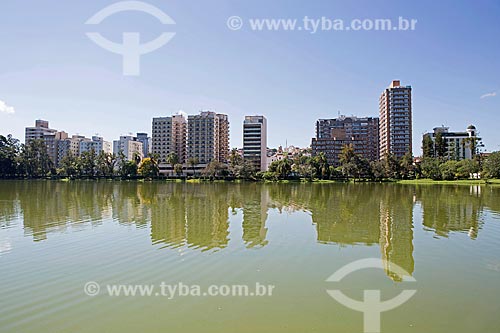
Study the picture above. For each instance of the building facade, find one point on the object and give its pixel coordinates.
(146, 143)
(130, 147)
(255, 141)
(395, 129)
(459, 145)
(38, 132)
(333, 134)
(208, 137)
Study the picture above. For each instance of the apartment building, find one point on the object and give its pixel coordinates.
(169, 136)
(333, 134)
(130, 146)
(395, 129)
(255, 141)
(208, 137)
(146, 143)
(459, 145)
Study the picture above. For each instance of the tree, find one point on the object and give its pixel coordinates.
(430, 168)
(281, 169)
(88, 163)
(347, 154)
(105, 164)
(172, 159)
(427, 146)
(9, 148)
(407, 167)
(467, 167)
(148, 168)
(448, 170)
(321, 166)
(69, 166)
(193, 161)
(34, 160)
(178, 169)
(378, 170)
(392, 166)
(441, 147)
(215, 169)
(128, 169)
(491, 166)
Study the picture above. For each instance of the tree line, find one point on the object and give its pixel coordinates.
(32, 160)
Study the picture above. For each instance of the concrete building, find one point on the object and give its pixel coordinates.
(169, 136)
(255, 141)
(459, 145)
(146, 143)
(179, 137)
(39, 131)
(130, 147)
(97, 143)
(161, 138)
(333, 134)
(208, 137)
(395, 130)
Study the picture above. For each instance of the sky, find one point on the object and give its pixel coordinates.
(50, 69)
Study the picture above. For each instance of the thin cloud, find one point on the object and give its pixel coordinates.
(491, 94)
(4, 108)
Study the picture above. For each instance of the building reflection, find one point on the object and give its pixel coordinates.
(255, 207)
(453, 208)
(197, 215)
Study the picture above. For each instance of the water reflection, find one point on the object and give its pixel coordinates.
(197, 215)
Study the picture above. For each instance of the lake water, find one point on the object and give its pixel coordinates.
(55, 237)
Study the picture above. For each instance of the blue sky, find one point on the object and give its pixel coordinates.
(49, 69)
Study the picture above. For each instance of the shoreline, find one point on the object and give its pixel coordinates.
(492, 182)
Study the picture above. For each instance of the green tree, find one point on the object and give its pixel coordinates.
(467, 167)
(427, 146)
(491, 166)
(106, 164)
(69, 166)
(430, 168)
(407, 166)
(448, 170)
(193, 161)
(34, 160)
(178, 169)
(378, 170)
(440, 145)
(392, 167)
(172, 159)
(9, 149)
(88, 161)
(149, 168)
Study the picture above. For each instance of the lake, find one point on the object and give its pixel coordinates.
(56, 237)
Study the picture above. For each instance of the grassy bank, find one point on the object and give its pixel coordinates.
(451, 182)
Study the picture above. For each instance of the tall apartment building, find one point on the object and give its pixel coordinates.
(333, 134)
(179, 137)
(39, 131)
(130, 147)
(395, 120)
(255, 141)
(169, 136)
(208, 137)
(146, 143)
(459, 145)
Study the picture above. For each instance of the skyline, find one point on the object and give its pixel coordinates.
(56, 73)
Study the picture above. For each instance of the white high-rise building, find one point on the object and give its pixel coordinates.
(130, 147)
(395, 125)
(255, 141)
